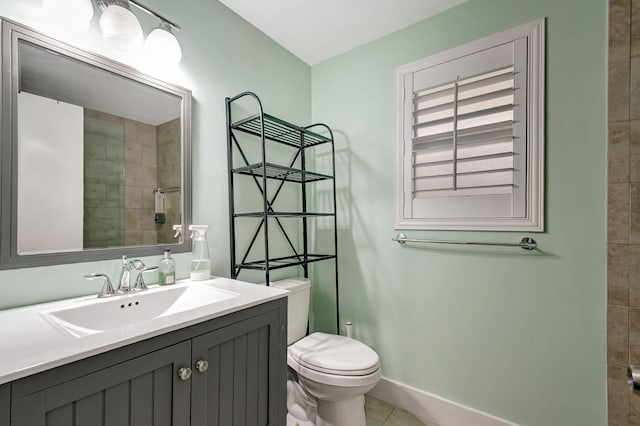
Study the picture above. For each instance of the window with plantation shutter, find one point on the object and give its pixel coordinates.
(469, 136)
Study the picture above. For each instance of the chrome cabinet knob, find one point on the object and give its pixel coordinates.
(184, 373)
(202, 366)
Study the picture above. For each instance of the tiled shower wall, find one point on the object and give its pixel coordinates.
(140, 180)
(125, 161)
(103, 224)
(623, 251)
(170, 176)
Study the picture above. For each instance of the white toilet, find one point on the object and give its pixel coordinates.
(328, 374)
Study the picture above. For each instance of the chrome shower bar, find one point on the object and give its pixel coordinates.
(525, 243)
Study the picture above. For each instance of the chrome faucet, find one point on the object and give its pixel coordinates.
(124, 284)
(140, 284)
(107, 288)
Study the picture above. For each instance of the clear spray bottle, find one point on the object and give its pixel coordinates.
(200, 264)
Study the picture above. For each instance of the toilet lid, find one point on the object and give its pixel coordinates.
(331, 354)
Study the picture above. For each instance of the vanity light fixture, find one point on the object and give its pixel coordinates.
(162, 46)
(122, 29)
(72, 14)
(119, 25)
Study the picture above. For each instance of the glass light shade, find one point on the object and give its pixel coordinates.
(163, 47)
(120, 28)
(71, 14)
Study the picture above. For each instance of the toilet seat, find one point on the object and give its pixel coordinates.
(335, 360)
(332, 354)
(337, 380)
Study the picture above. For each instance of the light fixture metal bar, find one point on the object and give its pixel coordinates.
(154, 13)
(103, 4)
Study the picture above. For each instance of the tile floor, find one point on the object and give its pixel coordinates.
(379, 413)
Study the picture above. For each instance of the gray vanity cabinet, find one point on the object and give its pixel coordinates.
(241, 378)
(5, 403)
(142, 392)
(238, 377)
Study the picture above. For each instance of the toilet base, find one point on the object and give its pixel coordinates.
(348, 412)
(292, 421)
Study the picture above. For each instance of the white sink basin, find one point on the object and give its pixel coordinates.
(99, 315)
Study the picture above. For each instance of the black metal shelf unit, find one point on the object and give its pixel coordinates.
(267, 128)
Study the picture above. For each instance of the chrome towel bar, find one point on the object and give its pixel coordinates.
(525, 243)
(170, 189)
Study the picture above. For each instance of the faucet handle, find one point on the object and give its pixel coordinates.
(107, 288)
(132, 264)
(138, 264)
(140, 284)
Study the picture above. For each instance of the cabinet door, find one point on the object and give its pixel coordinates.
(5, 403)
(245, 381)
(145, 391)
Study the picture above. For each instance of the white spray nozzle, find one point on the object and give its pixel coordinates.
(198, 232)
(178, 229)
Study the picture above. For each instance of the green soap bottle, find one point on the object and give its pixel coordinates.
(167, 269)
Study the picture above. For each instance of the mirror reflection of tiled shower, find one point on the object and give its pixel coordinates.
(125, 163)
(169, 172)
(103, 224)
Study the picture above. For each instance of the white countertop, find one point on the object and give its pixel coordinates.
(30, 344)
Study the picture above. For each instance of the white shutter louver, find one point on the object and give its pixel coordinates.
(462, 140)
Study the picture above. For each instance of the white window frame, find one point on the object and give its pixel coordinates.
(533, 221)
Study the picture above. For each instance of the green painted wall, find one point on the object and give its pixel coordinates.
(222, 56)
(518, 335)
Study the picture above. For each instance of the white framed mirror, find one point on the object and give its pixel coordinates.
(95, 157)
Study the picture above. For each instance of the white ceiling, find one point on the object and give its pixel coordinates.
(316, 30)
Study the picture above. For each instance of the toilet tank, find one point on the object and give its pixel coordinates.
(298, 306)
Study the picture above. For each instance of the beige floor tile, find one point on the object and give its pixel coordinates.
(373, 422)
(400, 417)
(376, 410)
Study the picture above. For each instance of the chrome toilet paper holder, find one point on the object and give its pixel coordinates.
(633, 378)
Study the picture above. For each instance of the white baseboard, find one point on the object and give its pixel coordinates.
(433, 408)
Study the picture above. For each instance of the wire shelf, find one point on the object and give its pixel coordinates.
(275, 171)
(280, 131)
(267, 130)
(284, 262)
(283, 214)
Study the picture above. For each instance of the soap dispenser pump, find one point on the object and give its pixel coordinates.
(200, 264)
